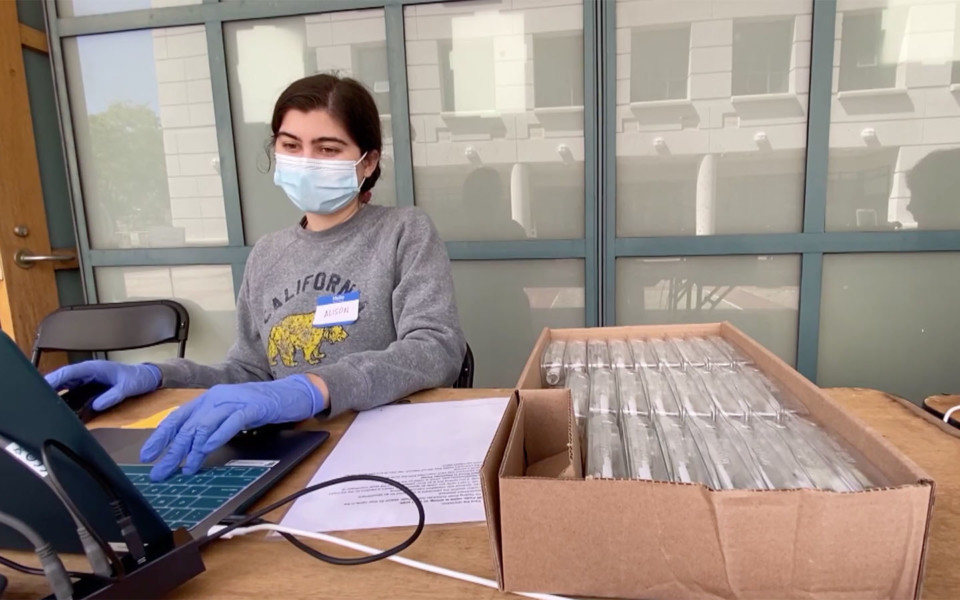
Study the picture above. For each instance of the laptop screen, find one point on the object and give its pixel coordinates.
(30, 413)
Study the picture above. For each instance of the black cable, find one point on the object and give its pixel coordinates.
(94, 551)
(25, 569)
(336, 560)
(28, 570)
(121, 513)
(61, 493)
(242, 521)
(3, 585)
(84, 464)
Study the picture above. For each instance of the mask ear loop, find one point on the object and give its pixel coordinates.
(360, 160)
(360, 193)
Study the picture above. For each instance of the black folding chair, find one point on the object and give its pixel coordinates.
(465, 379)
(113, 326)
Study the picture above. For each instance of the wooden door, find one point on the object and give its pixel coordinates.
(28, 289)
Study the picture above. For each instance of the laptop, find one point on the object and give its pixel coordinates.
(232, 478)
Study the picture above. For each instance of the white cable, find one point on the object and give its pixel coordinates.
(949, 413)
(368, 550)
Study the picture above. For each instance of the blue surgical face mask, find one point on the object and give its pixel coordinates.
(315, 185)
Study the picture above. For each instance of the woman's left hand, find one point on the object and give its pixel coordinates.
(209, 421)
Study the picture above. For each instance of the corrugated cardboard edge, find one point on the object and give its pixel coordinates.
(516, 429)
(490, 483)
(573, 434)
(565, 464)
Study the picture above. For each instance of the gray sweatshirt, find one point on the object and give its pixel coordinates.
(406, 338)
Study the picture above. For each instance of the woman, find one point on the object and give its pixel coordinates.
(350, 309)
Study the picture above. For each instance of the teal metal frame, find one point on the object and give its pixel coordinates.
(811, 244)
(399, 104)
(212, 15)
(599, 247)
(224, 122)
(70, 154)
(815, 185)
(592, 108)
(608, 162)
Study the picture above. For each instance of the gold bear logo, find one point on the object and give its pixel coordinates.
(297, 333)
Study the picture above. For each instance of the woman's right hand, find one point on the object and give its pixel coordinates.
(124, 380)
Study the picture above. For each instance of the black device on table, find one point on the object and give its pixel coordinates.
(80, 399)
(31, 412)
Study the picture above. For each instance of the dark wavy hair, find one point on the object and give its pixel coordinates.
(347, 101)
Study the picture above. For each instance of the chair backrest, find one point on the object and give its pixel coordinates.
(465, 379)
(113, 326)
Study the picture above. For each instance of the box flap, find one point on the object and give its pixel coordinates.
(490, 485)
(556, 437)
(552, 433)
(557, 466)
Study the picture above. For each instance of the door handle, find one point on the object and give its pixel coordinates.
(26, 259)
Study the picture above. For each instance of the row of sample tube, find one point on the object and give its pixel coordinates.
(709, 353)
(694, 410)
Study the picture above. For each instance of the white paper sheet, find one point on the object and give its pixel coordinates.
(435, 449)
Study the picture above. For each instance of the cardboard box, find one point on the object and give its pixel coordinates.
(553, 531)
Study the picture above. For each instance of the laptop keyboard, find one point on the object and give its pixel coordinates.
(186, 500)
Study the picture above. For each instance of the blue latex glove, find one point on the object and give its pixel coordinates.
(124, 380)
(201, 426)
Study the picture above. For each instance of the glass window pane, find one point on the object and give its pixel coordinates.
(660, 59)
(711, 116)
(496, 109)
(263, 58)
(895, 117)
(81, 8)
(761, 56)
(146, 138)
(206, 291)
(862, 62)
(758, 294)
(504, 305)
(890, 322)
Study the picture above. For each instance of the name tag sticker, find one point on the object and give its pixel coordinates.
(341, 309)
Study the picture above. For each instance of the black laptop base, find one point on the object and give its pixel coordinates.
(31, 413)
(31, 499)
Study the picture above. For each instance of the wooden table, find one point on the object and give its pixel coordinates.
(252, 567)
(935, 446)
(939, 405)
